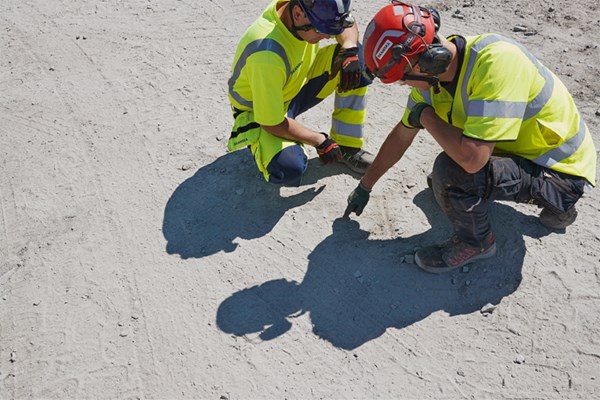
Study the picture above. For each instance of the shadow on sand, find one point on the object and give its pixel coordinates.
(355, 287)
(229, 199)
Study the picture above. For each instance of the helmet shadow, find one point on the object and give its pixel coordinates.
(356, 288)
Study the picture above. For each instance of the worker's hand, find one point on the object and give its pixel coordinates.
(351, 69)
(329, 151)
(357, 200)
(414, 118)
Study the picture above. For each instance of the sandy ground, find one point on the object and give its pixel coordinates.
(139, 260)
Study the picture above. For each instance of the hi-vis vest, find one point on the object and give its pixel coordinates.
(505, 95)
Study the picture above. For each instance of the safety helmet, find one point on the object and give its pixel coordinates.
(396, 35)
(330, 17)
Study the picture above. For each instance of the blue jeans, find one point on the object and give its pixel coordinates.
(465, 197)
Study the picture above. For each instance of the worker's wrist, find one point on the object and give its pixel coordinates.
(322, 138)
(364, 187)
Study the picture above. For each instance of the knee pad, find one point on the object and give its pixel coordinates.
(288, 166)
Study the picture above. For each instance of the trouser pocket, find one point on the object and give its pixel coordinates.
(556, 191)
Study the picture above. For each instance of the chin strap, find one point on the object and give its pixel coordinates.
(295, 28)
(432, 80)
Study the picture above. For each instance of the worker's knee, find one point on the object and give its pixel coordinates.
(446, 171)
(288, 166)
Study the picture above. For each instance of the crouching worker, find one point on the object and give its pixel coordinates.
(508, 127)
(279, 71)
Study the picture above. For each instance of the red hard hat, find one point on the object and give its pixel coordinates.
(395, 35)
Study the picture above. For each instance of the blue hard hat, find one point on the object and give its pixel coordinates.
(328, 16)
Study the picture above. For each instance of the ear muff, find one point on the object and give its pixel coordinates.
(435, 60)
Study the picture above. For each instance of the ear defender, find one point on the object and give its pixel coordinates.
(435, 60)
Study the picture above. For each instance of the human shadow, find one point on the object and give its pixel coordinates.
(356, 288)
(229, 199)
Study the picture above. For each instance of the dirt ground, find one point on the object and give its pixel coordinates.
(139, 260)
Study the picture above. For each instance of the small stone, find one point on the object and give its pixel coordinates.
(239, 192)
(357, 274)
(460, 372)
(187, 165)
(487, 309)
(13, 357)
(409, 259)
(520, 28)
(519, 359)
(465, 269)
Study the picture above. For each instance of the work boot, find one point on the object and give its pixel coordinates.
(558, 221)
(358, 160)
(454, 253)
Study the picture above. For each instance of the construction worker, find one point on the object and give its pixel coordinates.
(279, 72)
(508, 128)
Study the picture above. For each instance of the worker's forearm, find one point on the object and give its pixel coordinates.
(293, 130)
(348, 38)
(468, 153)
(391, 151)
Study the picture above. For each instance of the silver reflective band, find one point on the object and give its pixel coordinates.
(522, 110)
(505, 109)
(356, 103)
(251, 48)
(346, 129)
(565, 150)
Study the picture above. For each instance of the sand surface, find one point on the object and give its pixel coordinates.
(139, 260)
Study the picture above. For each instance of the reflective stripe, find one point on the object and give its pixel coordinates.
(497, 109)
(565, 150)
(346, 129)
(505, 109)
(426, 96)
(356, 103)
(543, 97)
(251, 48)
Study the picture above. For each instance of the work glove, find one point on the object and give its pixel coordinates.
(351, 69)
(357, 200)
(414, 118)
(329, 151)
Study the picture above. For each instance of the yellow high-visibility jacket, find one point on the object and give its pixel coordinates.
(505, 95)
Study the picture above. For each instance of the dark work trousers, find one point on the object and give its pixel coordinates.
(465, 197)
